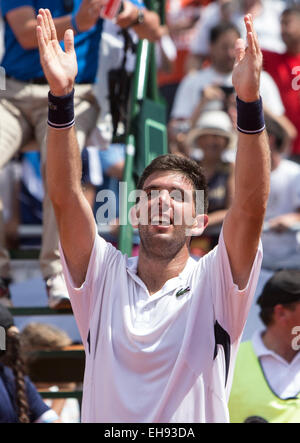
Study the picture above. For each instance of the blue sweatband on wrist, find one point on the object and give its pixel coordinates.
(250, 117)
(74, 24)
(61, 113)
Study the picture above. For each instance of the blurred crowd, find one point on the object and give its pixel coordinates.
(195, 53)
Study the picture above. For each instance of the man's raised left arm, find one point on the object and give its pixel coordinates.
(243, 223)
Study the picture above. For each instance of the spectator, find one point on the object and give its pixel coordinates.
(215, 13)
(208, 141)
(24, 108)
(266, 381)
(192, 90)
(266, 15)
(284, 69)
(280, 237)
(44, 337)
(19, 399)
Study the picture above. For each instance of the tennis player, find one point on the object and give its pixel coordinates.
(160, 331)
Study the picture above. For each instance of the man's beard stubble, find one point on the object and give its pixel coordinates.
(163, 248)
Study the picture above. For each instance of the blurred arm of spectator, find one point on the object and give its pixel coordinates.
(23, 22)
(166, 51)
(210, 93)
(145, 23)
(284, 222)
(116, 170)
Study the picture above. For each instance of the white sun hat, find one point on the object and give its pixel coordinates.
(212, 122)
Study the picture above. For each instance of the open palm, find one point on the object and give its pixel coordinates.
(60, 68)
(248, 65)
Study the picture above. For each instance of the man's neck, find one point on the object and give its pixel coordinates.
(293, 49)
(277, 342)
(156, 271)
(219, 69)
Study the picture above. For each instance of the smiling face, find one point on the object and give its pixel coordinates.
(167, 214)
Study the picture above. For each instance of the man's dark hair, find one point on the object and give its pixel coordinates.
(183, 165)
(277, 131)
(293, 9)
(266, 313)
(220, 29)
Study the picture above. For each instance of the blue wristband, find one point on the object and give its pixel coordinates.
(74, 24)
(61, 114)
(250, 117)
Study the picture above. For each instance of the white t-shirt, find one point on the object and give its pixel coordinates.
(154, 358)
(188, 94)
(282, 250)
(283, 377)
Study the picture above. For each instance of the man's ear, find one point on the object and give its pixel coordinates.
(200, 223)
(134, 216)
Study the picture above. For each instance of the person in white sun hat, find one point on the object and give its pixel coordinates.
(208, 142)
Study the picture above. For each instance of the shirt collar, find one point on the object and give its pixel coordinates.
(261, 350)
(170, 284)
(259, 346)
(132, 264)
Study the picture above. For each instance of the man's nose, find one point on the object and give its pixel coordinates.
(161, 201)
(164, 198)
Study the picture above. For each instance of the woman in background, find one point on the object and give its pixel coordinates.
(19, 400)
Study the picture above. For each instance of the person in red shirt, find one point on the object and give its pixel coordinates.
(285, 70)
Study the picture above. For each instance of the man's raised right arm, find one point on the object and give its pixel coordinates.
(74, 216)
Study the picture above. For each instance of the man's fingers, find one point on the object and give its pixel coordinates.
(250, 34)
(240, 48)
(251, 43)
(46, 24)
(51, 25)
(255, 37)
(252, 37)
(43, 26)
(69, 41)
(40, 35)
